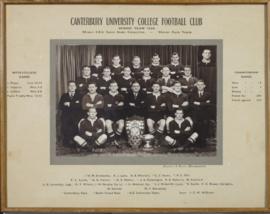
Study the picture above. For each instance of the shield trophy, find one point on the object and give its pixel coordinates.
(135, 130)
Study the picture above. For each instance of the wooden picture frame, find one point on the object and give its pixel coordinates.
(4, 120)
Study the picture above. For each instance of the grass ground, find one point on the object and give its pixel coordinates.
(208, 150)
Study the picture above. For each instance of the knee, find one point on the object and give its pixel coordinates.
(108, 124)
(80, 141)
(168, 120)
(170, 141)
(150, 124)
(101, 139)
(121, 124)
(162, 123)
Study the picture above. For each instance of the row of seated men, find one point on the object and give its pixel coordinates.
(161, 109)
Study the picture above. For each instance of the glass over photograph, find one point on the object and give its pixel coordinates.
(135, 99)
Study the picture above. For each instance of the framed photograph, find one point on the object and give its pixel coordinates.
(134, 106)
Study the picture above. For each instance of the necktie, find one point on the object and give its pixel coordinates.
(71, 95)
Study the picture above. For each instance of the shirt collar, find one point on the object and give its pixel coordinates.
(116, 66)
(113, 94)
(179, 122)
(97, 65)
(177, 93)
(126, 78)
(187, 77)
(146, 78)
(92, 94)
(92, 120)
(106, 78)
(136, 66)
(172, 63)
(206, 61)
(166, 78)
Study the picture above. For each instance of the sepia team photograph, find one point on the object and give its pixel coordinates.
(136, 99)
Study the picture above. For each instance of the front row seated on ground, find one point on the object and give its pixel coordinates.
(92, 133)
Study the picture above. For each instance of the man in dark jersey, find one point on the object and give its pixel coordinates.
(116, 68)
(125, 81)
(91, 132)
(181, 137)
(114, 113)
(136, 68)
(146, 81)
(97, 67)
(176, 99)
(175, 66)
(104, 82)
(83, 81)
(155, 67)
(156, 106)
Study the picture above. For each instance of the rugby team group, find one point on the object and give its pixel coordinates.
(173, 103)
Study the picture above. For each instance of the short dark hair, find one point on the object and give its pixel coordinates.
(146, 67)
(175, 53)
(176, 82)
(187, 66)
(92, 83)
(113, 82)
(136, 57)
(179, 109)
(200, 80)
(71, 81)
(107, 67)
(116, 55)
(98, 54)
(85, 66)
(166, 67)
(135, 82)
(126, 67)
(155, 54)
(155, 83)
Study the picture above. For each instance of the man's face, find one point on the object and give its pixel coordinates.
(175, 58)
(156, 88)
(127, 71)
(98, 59)
(165, 71)
(179, 114)
(155, 59)
(92, 113)
(187, 71)
(116, 60)
(135, 87)
(72, 87)
(86, 71)
(113, 87)
(106, 72)
(206, 54)
(136, 61)
(92, 88)
(177, 87)
(200, 85)
(146, 72)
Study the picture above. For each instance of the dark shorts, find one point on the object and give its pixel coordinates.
(155, 116)
(114, 115)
